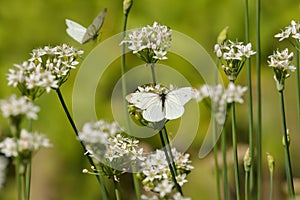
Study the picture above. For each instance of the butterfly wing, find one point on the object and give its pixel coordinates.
(150, 103)
(154, 113)
(175, 100)
(75, 30)
(93, 29)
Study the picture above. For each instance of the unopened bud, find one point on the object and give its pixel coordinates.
(223, 35)
(271, 163)
(247, 161)
(127, 6)
(288, 138)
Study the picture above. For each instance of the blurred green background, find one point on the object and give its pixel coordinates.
(25, 25)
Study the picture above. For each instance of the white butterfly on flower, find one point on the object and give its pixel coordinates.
(162, 104)
(82, 34)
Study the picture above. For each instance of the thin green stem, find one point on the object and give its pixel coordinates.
(298, 79)
(15, 131)
(100, 178)
(216, 160)
(235, 153)
(271, 186)
(124, 92)
(246, 185)
(117, 191)
(288, 165)
(250, 103)
(18, 177)
(168, 152)
(215, 129)
(153, 73)
(259, 106)
(225, 173)
(28, 178)
(28, 170)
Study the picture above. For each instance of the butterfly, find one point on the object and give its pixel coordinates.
(82, 34)
(165, 105)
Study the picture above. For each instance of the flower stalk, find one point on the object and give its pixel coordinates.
(259, 104)
(288, 165)
(70, 119)
(271, 165)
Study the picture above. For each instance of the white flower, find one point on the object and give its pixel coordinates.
(247, 50)
(232, 56)
(156, 172)
(282, 60)
(48, 68)
(178, 196)
(292, 30)
(164, 188)
(153, 197)
(218, 98)
(14, 106)
(105, 142)
(3, 165)
(181, 179)
(8, 147)
(283, 35)
(234, 93)
(27, 142)
(218, 50)
(155, 40)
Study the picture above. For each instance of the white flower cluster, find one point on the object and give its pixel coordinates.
(106, 143)
(3, 165)
(156, 175)
(293, 30)
(150, 43)
(14, 107)
(234, 50)
(233, 56)
(27, 143)
(220, 97)
(280, 61)
(48, 67)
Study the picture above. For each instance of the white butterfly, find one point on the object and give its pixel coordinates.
(167, 105)
(82, 34)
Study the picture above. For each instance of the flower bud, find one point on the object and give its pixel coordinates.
(247, 161)
(127, 6)
(271, 163)
(222, 37)
(288, 138)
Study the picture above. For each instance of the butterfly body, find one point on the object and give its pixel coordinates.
(82, 34)
(164, 105)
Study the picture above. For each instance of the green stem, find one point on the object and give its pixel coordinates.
(124, 92)
(271, 186)
(15, 131)
(259, 106)
(168, 152)
(288, 165)
(100, 178)
(246, 185)
(250, 103)
(117, 191)
(235, 153)
(216, 160)
(153, 73)
(18, 177)
(28, 170)
(225, 174)
(28, 178)
(298, 79)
